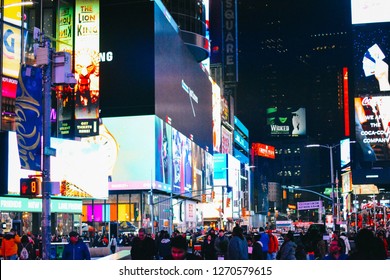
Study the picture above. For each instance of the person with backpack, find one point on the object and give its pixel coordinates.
(26, 249)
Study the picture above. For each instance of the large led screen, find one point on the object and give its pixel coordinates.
(151, 71)
(182, 170)
(371, 50)
(77, 166)
(129, 148)
(372, 127)
(286, 121)
(144, 151)
(87, 66)
(164, 172)
(183, 92)
(370, 11)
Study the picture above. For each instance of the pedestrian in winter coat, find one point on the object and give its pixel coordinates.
(287, 251)
(143, 247)
(9, 245)
(264, 238)
(164, 245)
(257, 252)
(221, 244)
(76, 249)
(238, 246)
(208, 250)
(273, 246)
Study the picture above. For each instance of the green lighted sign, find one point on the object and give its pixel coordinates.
(20, 204)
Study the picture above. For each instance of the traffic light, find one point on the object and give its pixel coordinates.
(228, 202)
(29, 186)
(213, 194)
(203, 198)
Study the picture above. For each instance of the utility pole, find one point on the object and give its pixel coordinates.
(46, 186)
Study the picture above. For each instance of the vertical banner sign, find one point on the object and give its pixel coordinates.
(65, 29)
(230, 41)
(87, 68)
(346, 102)
(28, 109)
(65, 95)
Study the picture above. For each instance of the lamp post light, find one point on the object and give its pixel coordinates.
(332, 181)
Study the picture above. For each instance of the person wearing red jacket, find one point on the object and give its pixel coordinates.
(273, 246)
(9, 245)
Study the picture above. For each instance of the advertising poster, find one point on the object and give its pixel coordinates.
(29, 118)
(198, 170)
(371, 89)
(370, 11)
(182, 170)
(209, 170)
(163, 153)
(373, 127)
(227, 141)
(286, 121)
(11, 50)
(217, 119)
(87, 69)
(65, 29)
(371, 52)
(13, 14)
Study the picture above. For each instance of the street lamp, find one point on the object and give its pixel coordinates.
(330, 148)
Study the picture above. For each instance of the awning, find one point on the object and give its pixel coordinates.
(365, 189)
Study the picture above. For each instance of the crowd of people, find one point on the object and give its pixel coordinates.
(212, 245)
(261, 245)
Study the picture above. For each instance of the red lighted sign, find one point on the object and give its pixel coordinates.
(263, 150)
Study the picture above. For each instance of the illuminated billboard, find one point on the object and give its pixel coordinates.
(370, 11)
(217, 119)
(77, 166)
(371, 88)
(87, 67)
(144, 151)
(152, 72)
(65, 28)
(373, 127)
(286, 121)
(345, 154)
(11, 50)
(263, 150)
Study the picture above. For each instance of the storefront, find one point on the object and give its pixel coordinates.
(24, 214)
(126, 212)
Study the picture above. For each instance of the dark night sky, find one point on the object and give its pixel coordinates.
(298, 20)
